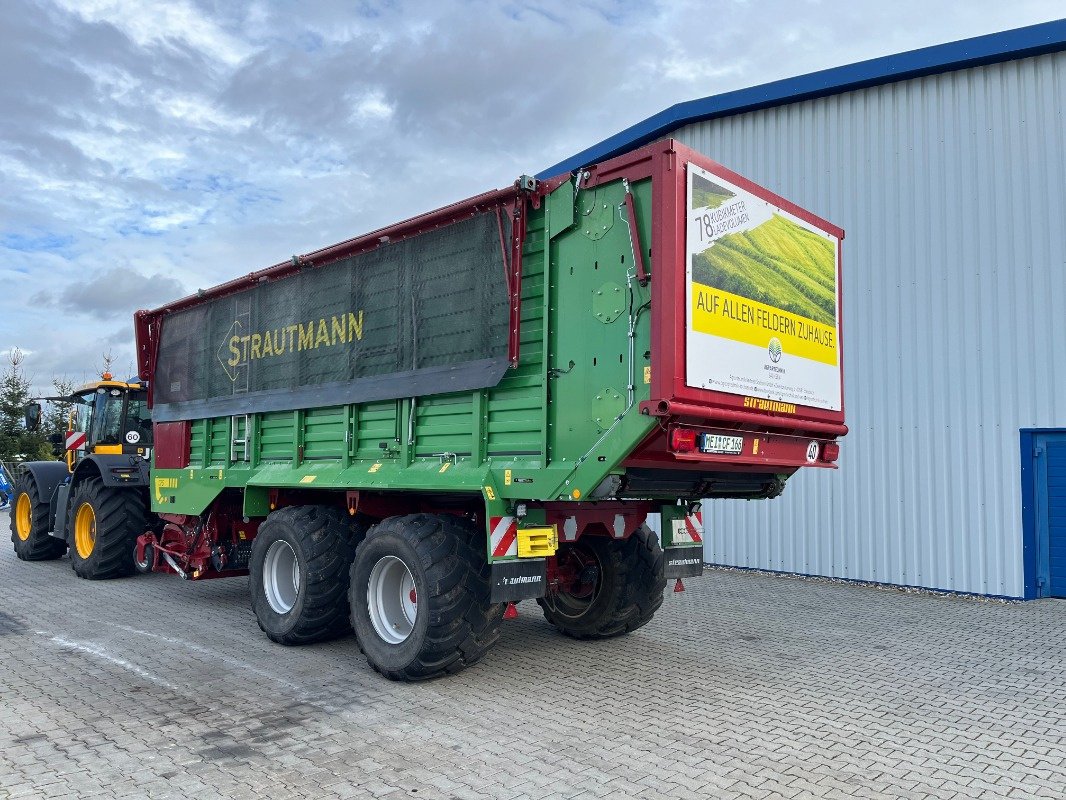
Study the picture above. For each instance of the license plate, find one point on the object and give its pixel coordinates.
(715, 443)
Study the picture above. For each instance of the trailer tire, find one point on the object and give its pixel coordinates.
(313, 547)
(438, 563)
(627, 592)
(30, 523)
(104, 525)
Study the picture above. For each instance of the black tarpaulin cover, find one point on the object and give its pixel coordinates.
(425, 315)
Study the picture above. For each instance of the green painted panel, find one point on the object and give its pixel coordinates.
(275, 436)
(568, 357)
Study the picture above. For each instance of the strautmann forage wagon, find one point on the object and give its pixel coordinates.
(405, 432)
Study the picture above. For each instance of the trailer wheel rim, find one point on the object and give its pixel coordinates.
(575, 604)
(281, 576)
(23, 517)
(392, 599)
(144, 564)
(85, 530)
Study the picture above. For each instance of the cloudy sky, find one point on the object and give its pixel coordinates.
(151, 148)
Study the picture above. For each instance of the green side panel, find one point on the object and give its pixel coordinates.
(560, 209)
(324, 433)
(592, 411)
(198, 442)
(443, 424)
(377, 426)
(276, 435)
(218, 441)
(553, 427)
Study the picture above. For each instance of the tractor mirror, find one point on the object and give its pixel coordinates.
(33, 416)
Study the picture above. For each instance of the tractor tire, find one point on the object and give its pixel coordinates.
(624, 591)
(299, 573)
(420, 597)
(30, 523)
(104, 524)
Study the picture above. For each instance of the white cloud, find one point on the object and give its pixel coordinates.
(154, 22)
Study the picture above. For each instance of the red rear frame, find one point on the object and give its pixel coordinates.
(664, 162)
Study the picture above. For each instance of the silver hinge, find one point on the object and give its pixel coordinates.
(238, 448)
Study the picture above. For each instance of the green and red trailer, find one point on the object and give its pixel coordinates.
(408, 432)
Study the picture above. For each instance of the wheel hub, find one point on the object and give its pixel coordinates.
(23, 517)
(281, 577)
(85, 530)
(392, 599)
(578, 582)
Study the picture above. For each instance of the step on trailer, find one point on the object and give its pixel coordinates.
(406, 432)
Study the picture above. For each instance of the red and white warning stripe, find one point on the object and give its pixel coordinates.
(504, 536)
(75, 440)
(689, 530)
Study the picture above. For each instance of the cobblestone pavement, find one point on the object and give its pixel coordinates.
(745, 686)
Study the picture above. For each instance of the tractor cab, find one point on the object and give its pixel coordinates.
(109, 417)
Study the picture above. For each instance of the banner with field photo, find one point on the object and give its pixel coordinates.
(762, 298)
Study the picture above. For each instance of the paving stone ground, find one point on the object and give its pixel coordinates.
(745, 686)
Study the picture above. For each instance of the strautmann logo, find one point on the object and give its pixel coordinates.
(775, 349)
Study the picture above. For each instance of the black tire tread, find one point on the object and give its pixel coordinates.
(637, 561)
(464, 624)
(121, 516)
(40, 546)
(329, 538)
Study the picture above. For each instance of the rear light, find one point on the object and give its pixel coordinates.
(683, 440)
(830, 452)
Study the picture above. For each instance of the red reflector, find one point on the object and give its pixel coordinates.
(511, 612)
(683, 440)
(679, 586)
(830, 452)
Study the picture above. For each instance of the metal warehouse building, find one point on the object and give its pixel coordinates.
(946, 167)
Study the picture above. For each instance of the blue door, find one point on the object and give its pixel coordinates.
(1048, 512)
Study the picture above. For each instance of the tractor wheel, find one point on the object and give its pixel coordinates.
(299, 573)
(30, 523)
(420, 597)
(104, 524)
(611, 586)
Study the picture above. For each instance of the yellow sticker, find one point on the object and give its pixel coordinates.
(647, 374)
(769, 405)
(374, 468)
(308, 479)
(489, 493)
(164, 483)
(507, 477)
(755, 447)
(444, 466)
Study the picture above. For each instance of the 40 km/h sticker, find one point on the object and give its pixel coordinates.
(812, 452)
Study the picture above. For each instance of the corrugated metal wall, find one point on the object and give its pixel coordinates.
(952, 191)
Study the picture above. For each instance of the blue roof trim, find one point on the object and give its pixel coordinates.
(992, 48)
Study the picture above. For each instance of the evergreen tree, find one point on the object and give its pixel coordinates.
(17, 443)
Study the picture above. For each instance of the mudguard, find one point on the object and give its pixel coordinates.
(48, 475)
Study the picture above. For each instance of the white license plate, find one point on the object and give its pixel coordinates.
(715, 443)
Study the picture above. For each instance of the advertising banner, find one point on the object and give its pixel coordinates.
(762, 299)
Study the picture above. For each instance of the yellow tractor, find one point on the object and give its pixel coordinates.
(95, 504)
